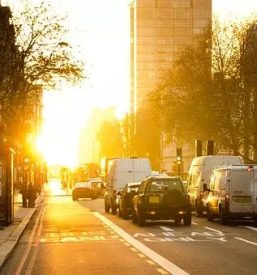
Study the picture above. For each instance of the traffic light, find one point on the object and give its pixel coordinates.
(179, 155)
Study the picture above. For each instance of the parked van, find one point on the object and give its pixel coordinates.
(232, 193)
(120, 172)
(200, 173)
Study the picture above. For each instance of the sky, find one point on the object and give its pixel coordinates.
(101, 29)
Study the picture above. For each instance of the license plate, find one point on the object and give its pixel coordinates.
(241, 199)
(154, 199)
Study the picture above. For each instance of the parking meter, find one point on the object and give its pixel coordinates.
(6, 185)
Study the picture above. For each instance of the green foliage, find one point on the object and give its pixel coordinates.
(32, 54)
(110, 139)
(210, 91)
(147, 136)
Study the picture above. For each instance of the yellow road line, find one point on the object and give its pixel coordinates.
(162, 271)
(150, 262)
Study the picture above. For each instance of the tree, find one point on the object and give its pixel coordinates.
(147, 136)
(33, 53)
(210, 91)
(110, 139)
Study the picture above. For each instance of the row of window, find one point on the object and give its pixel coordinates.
(164, 3)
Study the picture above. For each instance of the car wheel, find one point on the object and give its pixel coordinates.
(106, 207)
(187, 219)
(134, 217)
(124, 212)
(114, 209)
(74, 198)
(198, 211)
(223, 218)
(210, 217)
(141, 218)
(120, 212)
(173, 198)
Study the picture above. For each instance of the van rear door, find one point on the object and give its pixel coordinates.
(241, 190)
(141, 169)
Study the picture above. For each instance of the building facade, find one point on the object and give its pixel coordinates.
(158, 30)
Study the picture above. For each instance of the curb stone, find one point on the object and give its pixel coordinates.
(7, 248)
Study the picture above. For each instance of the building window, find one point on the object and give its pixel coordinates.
(143, 14)
(146, 3)
(182, 14)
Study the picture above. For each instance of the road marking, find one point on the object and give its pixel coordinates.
(25, 255)
(246, 241)
(133, 249)
(150, 262)
(52, 234)
(249, 227)
(162, 271)
(167, 229)
(215, 230)
(161, 261)
(194, 223)
(127, 244)
(141, 255)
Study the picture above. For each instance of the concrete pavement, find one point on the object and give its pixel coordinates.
(11, 234)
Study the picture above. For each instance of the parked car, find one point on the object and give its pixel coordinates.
(233, 194)
(121, 171)
(162, 198)
(126, 197)
(200, 173)
(83, 190)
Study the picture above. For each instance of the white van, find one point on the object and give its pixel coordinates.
(233, 193)
(199, 173)
(120, 172)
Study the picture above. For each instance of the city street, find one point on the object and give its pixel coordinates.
(66, 237)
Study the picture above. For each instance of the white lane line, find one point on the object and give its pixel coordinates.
(167, 229)
(250, 227)
(215, 230)
(246, 241)
(161, 261)
(194, 223)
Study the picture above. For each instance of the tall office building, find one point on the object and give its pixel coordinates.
(159, 28)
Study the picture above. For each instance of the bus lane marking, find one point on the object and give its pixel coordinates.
(167, 229)
(151, 254)
(167, 236)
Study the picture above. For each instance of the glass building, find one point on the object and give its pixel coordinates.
(159, 28)
(158, 31)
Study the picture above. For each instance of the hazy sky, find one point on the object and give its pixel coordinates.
(101, 28)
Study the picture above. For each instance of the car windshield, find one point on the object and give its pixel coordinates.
(164, 185)
(133, 188)
(82, 184)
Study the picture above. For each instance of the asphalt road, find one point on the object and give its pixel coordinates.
(67, 237)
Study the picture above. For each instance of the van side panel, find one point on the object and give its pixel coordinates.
(255, 191)
(241, 191)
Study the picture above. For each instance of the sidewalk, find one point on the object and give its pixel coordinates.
(11, 234)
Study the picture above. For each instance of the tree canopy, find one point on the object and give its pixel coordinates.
(210, 90)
